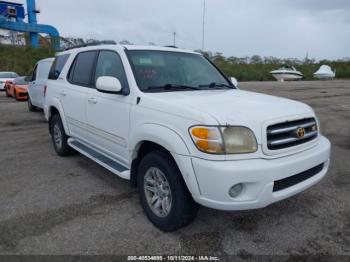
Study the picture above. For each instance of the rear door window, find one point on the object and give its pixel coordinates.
(81, 70)
(57, 66)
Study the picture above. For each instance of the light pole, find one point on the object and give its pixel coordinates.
(203, 28)
(174, 38)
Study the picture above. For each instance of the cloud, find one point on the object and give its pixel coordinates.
(318, 5)
(288, 28)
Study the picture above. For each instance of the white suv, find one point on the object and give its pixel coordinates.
(170, 122)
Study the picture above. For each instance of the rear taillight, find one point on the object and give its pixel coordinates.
(45, 88)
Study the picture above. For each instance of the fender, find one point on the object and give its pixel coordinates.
(57, 104)
(159, 134)
(174, 143)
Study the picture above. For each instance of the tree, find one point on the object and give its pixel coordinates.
(256, 59)
(125, 42)
(233, 60)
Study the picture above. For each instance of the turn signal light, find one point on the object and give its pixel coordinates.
(204, 133)
(224, 140)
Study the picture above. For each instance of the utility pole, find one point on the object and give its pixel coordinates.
(174, 38)
(203, 28)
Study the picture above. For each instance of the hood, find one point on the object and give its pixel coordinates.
(22, 87)
(232, 107)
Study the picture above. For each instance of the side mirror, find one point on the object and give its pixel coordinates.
(108, 84)
(234, 81)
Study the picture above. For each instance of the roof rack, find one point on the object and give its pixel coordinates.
(96, 43)
(171, 46)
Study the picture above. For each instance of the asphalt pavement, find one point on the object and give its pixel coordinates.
(53, 205)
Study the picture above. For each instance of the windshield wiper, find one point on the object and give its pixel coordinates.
(171, 86)
(216, 85)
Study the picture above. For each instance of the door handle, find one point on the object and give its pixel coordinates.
(92, 100)
(63, 93)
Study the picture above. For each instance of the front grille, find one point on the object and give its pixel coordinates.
(22, 94)
(285, 135)
(293, 180)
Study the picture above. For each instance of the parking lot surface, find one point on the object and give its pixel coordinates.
(53, 205)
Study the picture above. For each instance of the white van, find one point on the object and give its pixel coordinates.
(37, 85)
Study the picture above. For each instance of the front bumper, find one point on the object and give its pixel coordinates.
(215, 178)
(22, 95)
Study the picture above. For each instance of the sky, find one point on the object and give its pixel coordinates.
(280, 28)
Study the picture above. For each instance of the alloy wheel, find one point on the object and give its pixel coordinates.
(158, 192)
(57, 135)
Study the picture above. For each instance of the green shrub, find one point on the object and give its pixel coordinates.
(22, 59)
(255, 68)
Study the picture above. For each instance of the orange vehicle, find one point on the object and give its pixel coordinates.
(18, 89)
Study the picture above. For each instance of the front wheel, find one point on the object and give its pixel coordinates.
(15, 94)
(59, 137)
(163, 193)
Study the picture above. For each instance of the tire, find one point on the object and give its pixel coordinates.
(179, 209)
(31, 108)
(15, 95)
(59, 137)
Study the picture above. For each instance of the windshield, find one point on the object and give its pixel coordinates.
(21, 81)
(158, 71)
(7, 75)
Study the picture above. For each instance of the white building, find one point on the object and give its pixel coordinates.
(12, 38)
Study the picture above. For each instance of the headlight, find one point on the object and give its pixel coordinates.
(239, 140)
(224, 140)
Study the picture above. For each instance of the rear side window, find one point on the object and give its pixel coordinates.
(57, 66)
(80, 73)
(43, 70)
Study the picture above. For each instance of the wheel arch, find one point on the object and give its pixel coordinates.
(152, 137)
(56, 108)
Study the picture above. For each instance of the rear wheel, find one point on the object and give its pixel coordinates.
(59, 137)
(31, 108)
(163, 194)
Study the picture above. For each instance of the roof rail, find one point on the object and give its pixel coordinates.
(171, 46)
(96, 43)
